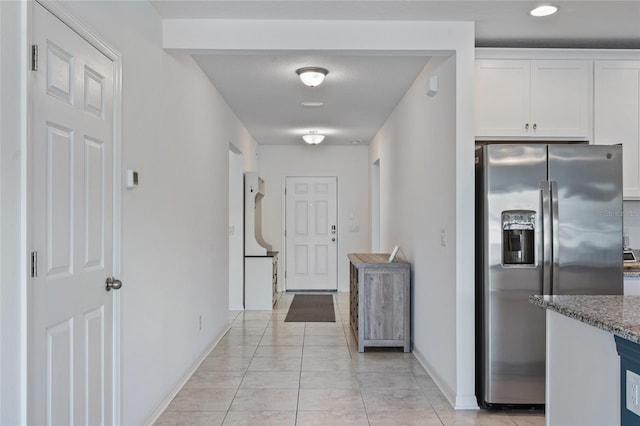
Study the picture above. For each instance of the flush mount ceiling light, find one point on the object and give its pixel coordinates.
(544, 10)
(313, 138)
(312, 76)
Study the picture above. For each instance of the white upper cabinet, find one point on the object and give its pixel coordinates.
(502, 97)
(617, 116)
(561, 98)
(533, 98)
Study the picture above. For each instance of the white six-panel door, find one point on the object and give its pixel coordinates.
(311, 233)
(70, 312)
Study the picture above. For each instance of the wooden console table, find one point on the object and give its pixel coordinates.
(380, 300)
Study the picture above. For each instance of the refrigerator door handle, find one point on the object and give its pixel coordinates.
(545, 223)
(555, 235)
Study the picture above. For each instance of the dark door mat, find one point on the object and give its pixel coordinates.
(311, 308)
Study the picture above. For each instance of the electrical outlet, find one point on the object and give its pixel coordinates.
(633, 392)
(443, 237)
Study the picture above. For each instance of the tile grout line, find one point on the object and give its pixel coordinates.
(304, 334)
(244, 374)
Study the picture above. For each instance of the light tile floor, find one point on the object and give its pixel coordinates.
(268, 372)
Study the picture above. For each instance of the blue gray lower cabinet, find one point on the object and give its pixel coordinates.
(629, 360)
(380, 301)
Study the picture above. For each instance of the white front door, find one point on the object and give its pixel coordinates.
(311, 233)
(71, 332)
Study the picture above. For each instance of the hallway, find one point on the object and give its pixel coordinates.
(268, 372)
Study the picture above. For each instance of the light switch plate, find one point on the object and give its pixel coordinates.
(633, 392)
(434, 85)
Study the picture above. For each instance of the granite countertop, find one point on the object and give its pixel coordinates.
(619, 315)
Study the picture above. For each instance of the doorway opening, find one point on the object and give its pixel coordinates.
(236, 229)
(375, 206)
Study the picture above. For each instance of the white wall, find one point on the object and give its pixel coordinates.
(176, 130)
(417, 152)
(349, 164)
(13, 247)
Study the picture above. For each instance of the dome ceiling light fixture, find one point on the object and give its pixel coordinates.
(313, 137)
(544, 10)
(312, 76)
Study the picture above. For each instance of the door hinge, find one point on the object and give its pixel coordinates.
(34, 57)
(34, 264)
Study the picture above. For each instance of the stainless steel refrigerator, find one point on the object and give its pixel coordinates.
(549, 221)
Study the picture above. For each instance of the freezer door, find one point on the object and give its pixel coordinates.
(588, 212)
(513, 345)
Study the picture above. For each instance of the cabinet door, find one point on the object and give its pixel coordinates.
(502, 97)
(617, 116)
(384, 304)
(560, 98)
(258, 283)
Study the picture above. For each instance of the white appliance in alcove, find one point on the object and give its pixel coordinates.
(260, 262)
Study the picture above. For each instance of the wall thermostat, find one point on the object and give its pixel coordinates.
(132, 179)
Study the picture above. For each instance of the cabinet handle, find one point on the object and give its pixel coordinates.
(535, 126)
(526, 126)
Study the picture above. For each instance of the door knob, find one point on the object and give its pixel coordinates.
(112, 284)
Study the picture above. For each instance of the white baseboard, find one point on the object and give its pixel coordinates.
(174, 391)
(456, 401)
(466, 403)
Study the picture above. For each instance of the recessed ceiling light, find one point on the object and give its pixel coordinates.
(312, 76)
(311, 104)
(313, 137)
(544, 10)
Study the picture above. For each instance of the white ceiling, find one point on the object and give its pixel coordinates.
(361, 91)
(265, 92)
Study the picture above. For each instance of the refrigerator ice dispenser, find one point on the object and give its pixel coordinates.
(518, 234)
